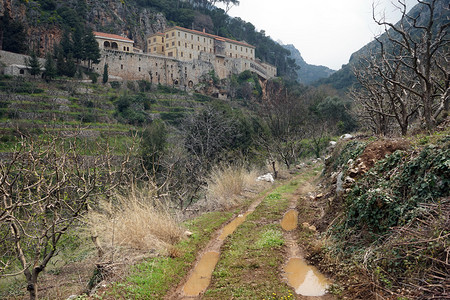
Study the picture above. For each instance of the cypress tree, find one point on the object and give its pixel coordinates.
(92, 50)
(50, 68)
(105, 73)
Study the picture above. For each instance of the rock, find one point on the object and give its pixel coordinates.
(353, 172)
(188, 234)
(349, 180)
(332, 144)
(267, 177)
(71, 297)
(346, 136)
(319, 196)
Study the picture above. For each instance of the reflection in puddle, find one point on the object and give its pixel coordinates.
(201, 277)
(231, 227)
(306, 280)
(290, 220)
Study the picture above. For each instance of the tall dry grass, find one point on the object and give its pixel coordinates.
(226, 184)
(136, 221)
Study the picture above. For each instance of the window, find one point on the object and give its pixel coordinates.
(231, 47)
(204, 49)
(167, 35)
(185, 35)
(121, 67)
(204, 40)
(167, 45)
(173, 33)
(139, 69)
(241, 48)
(156, 65)
(246, 50)
(173, 43)
(128, 48)
(124, 48)
(154, 49)
(162, 40)
(192, 46)
(185, 45)
(179, 43)
(21, 71)
(235, 47)
(170, 54)
(154, 40)
(198, 48)
(178, 34)
(181, 54)
(192, 37)
(190, 55)
(198, 39)
(162, 48)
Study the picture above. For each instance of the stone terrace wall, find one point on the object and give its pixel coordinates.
(9, 58)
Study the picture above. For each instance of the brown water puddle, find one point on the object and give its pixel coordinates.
(231, 227)
(201, 277)
(290, 220)
(306, 280)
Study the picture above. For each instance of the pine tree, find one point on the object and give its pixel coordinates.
(66, 44)
(60, 63)
(50, 67)
(105, 73)
(34, 64)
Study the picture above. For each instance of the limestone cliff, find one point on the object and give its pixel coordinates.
(44, 27)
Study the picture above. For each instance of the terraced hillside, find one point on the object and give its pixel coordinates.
(93, 111)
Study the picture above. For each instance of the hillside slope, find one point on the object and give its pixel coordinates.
(307, 73)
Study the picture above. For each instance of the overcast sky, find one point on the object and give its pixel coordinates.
(326, 32)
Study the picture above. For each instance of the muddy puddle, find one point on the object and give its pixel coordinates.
(305, 279)
(231, 227)
(290, 220)
(201, 277)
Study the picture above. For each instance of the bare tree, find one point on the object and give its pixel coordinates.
(44, 187)
(284, 115)
(409, 74)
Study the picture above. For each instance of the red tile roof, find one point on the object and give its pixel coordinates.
(220, 38)
(112, 36)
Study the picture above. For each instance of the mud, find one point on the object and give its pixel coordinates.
(201, 277)
(305, 279)
(290, 220)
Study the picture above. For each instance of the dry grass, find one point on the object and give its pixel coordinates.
(227, 184)
(136, 221)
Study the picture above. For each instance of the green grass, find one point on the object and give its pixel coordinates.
(153, 278)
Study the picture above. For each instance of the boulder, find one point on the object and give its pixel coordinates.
(267, 177)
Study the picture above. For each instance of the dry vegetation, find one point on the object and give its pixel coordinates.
(137, 221)
(226, 185)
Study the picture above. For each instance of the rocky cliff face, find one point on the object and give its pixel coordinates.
(307, 73)
(44, 28)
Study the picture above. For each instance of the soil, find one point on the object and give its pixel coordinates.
(379, 149)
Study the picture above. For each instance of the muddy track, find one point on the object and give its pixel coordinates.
(306, 280)
(198, 278)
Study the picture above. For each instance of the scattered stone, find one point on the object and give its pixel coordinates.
(346, 136)
(353, 172)
(348, 179)
(319, 196)
(267, 177)
(71, 297)
(188, 234)
(332, 143)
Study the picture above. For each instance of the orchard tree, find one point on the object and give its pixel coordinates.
(33, 64)
(45, 187)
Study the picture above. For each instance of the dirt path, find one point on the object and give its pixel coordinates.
(198, 279)
(307, 281)
(247, 269)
